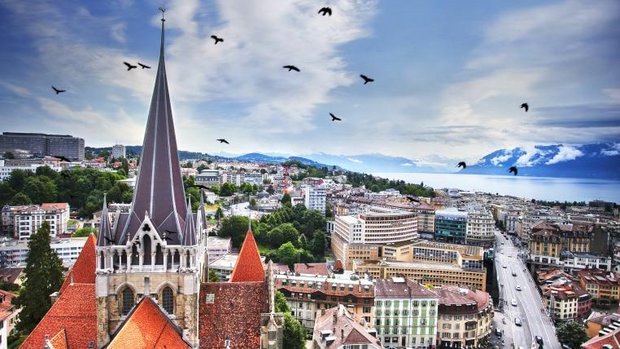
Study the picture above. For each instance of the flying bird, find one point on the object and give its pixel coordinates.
(199, 186)
(130, 66)
(61, 158)
(216, 39)
(222, 140)
(513, 169)
(366, 79)
(462, 164)
(325, 11)
(291, 67)
(334, 117)
(58, 90)
(524, 105)
(144, 66)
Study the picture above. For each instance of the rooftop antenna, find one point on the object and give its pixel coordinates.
(163, 11)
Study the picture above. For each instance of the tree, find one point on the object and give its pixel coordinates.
(20, 199)
(17, 179)
(6, 193)
(312, 220)
(218, 213)
(294, 333)
(253, 203)
(40, 189)
(9, 155)
(280, 303)
(227, 189)
(84, 232)
(46, 171)
(43, 277)
(213, 276)
(572, 334)
(287, 254)
(319, 242)
(286, 200)
(234, 227)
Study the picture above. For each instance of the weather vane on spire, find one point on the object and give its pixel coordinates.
(163, 11)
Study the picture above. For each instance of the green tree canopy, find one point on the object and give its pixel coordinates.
(319, 242)
(280, 303)
(294, 333)
(84, 232)
(213, 276)
(227, 189)
(234, 227)
(43, 277)
(286, 200)
(572, 334)
(20, 199)
(287, 254)
(40, 189)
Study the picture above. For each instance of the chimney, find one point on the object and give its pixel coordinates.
(342, 334)
(54, 297)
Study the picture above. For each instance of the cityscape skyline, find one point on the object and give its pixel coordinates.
(442, 75)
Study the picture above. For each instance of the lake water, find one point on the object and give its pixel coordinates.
(541, 188)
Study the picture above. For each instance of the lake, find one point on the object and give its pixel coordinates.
(541, 188)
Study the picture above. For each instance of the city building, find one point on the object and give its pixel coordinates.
(608, 338)
(218, 247)
(602, 285)
(464, 318)
(14, 253)
(567, 302)
(451, 225)
(23, 221)
(550, 243)
(598, 321)
(40, 144)
(337, 328)
(208, 178)
(315, 197)
(426, 220)
(118, 151)
(480, 228)
(426, 273)
(8, 316)
(309, 294)
(405, 313)
(223, 266)
(8, 166)
(361, 237)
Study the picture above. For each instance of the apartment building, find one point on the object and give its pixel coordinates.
(464, 318)
(339, 328)
(14, 253)
(567, 302)
(480, 228)
(603, 286)
(315, 197)
(426, 220)
(6, 167)
(23, 221)
(451, 225)
(309, 294)
(552, 242)
(405, 313)
(119, 151)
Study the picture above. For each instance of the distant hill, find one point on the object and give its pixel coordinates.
(372, 163)
(583, 161)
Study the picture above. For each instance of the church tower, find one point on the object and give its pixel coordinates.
(155, 250)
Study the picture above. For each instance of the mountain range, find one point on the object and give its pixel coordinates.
(584, 161)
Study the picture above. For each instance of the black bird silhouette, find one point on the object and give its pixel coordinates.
(325, 11)
(130, 66)
(334, 117)
(58, 90)
(167, 238)
(291, 67)
(462, 164)
(524, 105)
(144, 66)
(222, 140)
(366, 79)
(199, 186)
(109, 240)
(61, 158)
(513, 169)
(170, 232)
(216, 39)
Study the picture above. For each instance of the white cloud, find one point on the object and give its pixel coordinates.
(532, 156)
(117, 32)
(613, 150)
(498, 160)
(565, 153)
(613, 94)
(407, 164)
(16, 89)
(357, 161)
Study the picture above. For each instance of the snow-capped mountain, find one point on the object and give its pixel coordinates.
(583, 161)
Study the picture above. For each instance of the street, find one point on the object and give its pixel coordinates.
(529, 306)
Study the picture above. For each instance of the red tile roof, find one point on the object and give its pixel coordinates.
(231, 310)
(59, 341)
(147, 326)
(83, 270)
(311, 268)
(249, 266)
(344, 326)
(6, 307)
(612, 339)
(75, 311)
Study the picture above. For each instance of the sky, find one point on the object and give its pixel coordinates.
(449, 75)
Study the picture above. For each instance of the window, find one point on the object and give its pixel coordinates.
(167, 300)
(128, 300)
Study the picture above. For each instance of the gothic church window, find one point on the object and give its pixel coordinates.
(167, 300)
(128, 300)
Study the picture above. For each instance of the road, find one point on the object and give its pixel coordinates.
(529, 303)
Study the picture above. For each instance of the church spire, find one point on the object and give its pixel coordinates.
(105, 233)
(159, 186)
(189, 234)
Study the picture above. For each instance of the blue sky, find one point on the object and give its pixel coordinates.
(449, 75)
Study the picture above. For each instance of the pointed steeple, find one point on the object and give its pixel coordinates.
(159, 186)
(104, 237)
(189, 234)
(249, 266)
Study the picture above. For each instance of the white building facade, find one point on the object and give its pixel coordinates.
(315, 197)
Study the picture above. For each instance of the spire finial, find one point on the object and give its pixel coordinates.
(163, 11)
(249, 220)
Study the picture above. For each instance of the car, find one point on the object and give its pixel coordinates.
(517, 321)
(514, 273)
(498, 332)
(518, 288)
(514, 302)
(539, 340)
(504, 266)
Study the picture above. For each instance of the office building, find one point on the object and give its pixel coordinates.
(451, 225)
(40, 144)
(315, 197)
(118, 151)
(14, 253)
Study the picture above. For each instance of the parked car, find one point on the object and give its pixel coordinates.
(514, 302)
(517, 321)
(518, 288)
